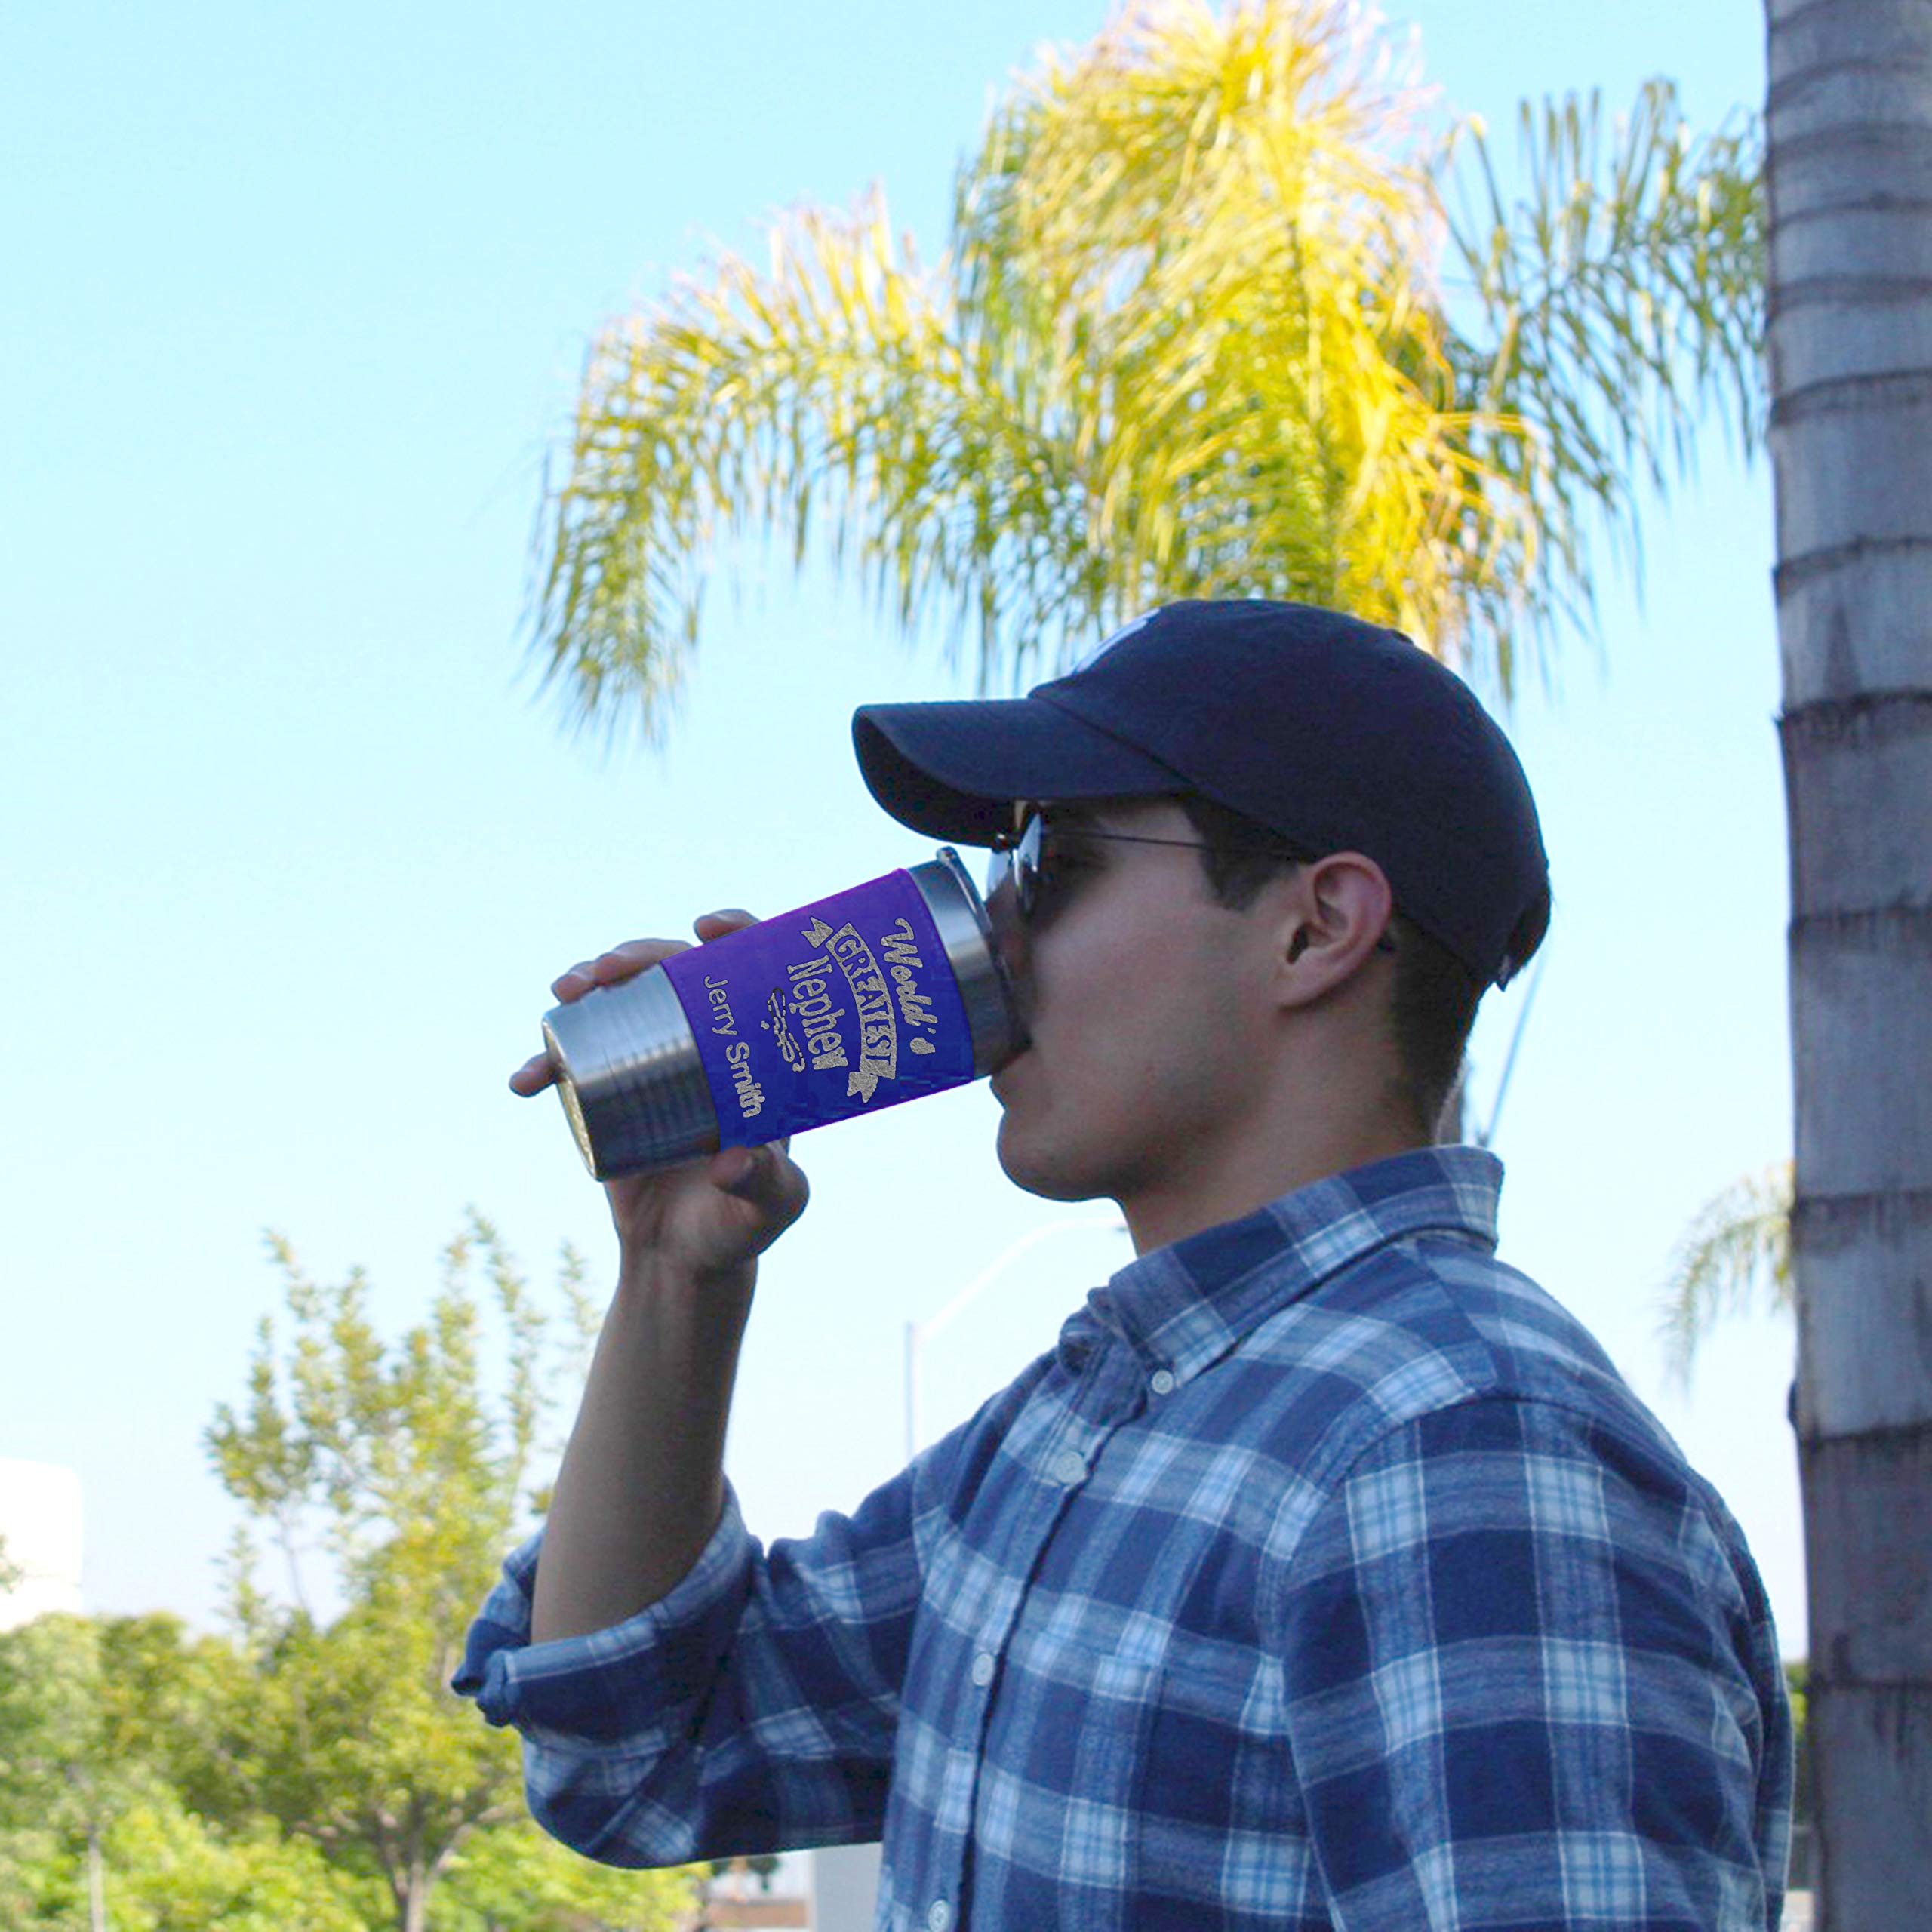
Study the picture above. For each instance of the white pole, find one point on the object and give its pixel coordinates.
(918, 1333)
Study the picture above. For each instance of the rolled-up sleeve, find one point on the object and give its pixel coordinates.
(751, 1708)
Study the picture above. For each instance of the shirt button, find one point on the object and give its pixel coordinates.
(939, 1915)
(1069, 1467)
(1161, 1382)
(982, 1669)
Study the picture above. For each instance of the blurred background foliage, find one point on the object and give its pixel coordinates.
(1733, 1259)
(309, 1768)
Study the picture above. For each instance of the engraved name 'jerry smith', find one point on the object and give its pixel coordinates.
(749, 1095)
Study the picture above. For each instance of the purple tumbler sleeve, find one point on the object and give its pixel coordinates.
(840, 1008)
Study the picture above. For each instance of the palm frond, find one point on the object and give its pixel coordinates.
(1230, 223)
(1734, 1259)
(1190, 340)
(1621, 298)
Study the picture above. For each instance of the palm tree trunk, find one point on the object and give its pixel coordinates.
(1850, 160)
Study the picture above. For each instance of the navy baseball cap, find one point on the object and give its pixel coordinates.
(1338, 735)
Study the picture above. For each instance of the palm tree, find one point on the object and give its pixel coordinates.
(1849, 129)
(1733, 1259)
(1232, 306)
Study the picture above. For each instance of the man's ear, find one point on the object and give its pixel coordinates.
(1334, 913)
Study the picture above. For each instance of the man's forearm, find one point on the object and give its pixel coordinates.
(642, 1482)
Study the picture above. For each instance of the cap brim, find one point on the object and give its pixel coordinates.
(953, 770)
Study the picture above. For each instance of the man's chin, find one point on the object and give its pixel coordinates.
(1032, 1168)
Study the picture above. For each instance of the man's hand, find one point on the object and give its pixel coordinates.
(706, 1218)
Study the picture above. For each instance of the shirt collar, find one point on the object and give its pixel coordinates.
(1185, 1305)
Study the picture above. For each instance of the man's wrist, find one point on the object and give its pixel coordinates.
(689, 1311)
(646, 1273)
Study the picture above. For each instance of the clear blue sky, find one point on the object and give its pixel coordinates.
(295, 300)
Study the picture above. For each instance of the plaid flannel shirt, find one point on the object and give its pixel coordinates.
(1326, 1574)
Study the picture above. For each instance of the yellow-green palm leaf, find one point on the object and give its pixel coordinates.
(1192, 337)
(1734, 1258)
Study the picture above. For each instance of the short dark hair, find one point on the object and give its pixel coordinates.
(1434, 1004)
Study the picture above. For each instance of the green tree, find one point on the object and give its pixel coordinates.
(169, 1870)
(113, 1729)
(515, 1878)
(62, 1784)
(1797, 1678)
(1227, 310)
(762, 1866)
(407, 1466)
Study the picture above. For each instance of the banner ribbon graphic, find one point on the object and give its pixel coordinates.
(871, 997)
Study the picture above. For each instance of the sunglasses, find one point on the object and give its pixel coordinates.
(1023, 859)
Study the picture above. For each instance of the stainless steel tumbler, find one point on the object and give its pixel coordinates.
(871, 997)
